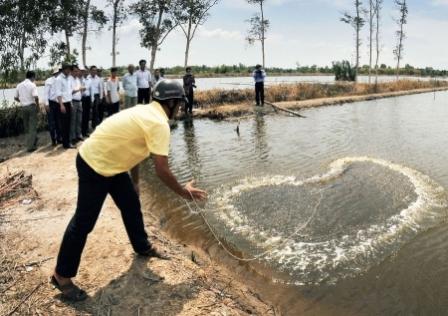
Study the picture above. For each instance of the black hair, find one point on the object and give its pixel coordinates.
(30, 74)
(114, 69)
(66, 66)
(92, 67)
(188, 68)
(142, 61)
(75, 66)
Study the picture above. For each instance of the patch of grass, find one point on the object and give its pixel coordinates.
(11, 121)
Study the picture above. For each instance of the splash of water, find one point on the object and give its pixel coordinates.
(330, 260)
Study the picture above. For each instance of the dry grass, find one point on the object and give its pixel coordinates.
(308, 91)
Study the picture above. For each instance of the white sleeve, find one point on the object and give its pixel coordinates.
(47, 93)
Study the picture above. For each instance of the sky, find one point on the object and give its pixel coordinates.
(304, 32)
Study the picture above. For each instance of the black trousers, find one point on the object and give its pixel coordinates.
(96, 110)
(64, 122)
(143, 96)
(113, 108)
(86, 106)
(53, 121)
(259, 93)
(92, 191)
(189, 105)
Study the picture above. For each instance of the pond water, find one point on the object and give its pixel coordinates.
(240, 83)
(345, 210)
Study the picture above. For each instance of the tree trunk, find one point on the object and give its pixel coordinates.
(400, 42)
(378, 46)
(84, 34)
(189, 38)
(114, 35)
(22, 51)
(371, 17)
(262, 34)
(155, 45)
(358, 43)
(67, 42)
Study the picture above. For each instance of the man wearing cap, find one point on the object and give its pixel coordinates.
(51, 108)
(118, 145)
(26, 94)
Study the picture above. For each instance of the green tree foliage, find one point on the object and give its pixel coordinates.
(157, 21)
(343, 71)
(24, 24)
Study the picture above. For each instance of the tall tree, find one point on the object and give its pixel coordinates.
(371, 18)
(156, 19)
(23, 33)
(357, 22)
(378, 8)
(258, 27)
(401, 35)
(66, 19)
(117, 18)
(189, 14)
(92, 20)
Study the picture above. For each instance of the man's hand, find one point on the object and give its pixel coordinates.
(62, 106)
(193, 193)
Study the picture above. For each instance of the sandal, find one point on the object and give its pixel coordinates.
(153, 253)
(69, 291)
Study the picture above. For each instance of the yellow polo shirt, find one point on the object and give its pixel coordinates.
(125, 139)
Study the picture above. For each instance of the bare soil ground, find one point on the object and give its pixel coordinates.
(39, 193)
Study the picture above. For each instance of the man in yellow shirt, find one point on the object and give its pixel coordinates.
(118, 145)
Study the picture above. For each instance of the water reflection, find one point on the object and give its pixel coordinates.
(260, 139)
(192, 149)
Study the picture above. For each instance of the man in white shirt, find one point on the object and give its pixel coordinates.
(130, 87)
(86, 103)
(96, 92)
(76, 115)
(113, 88)
(144, 81)
(26, 94)
(64, 99)
(51, 108)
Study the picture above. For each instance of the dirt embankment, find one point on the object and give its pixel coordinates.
(242, 109)
(33, 216)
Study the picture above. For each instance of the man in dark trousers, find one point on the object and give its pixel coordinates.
(259, 76)
(189, 85)
(144, 82)
(64, 96)
(118, 145)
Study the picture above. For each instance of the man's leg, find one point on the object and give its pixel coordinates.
(127, 102)
(96, 101)
(51, 125)
(92, 191)
(140, 96)
(73, 123)
(257, 93)
(149, 95)
(86, 105)
(54, 111)
(262, 92)
(78, 130)
(124, 195)
(65, 125)
(133, 101)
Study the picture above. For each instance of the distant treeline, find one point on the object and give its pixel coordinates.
(244, 70)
